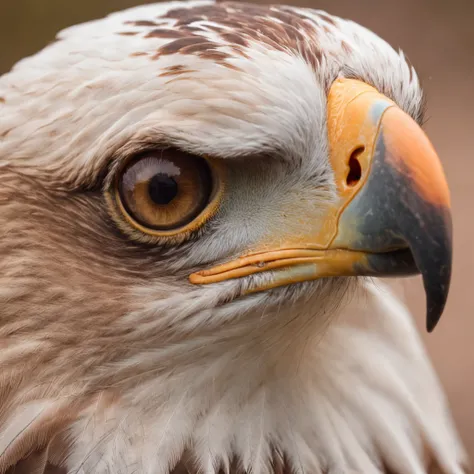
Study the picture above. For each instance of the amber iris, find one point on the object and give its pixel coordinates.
(166, 189)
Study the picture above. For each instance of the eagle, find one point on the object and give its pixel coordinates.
(197, 201)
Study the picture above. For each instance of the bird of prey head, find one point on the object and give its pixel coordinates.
(191, 195)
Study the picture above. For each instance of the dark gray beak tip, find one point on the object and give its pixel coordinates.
(436, 296)
(432, 318)
(436, 270)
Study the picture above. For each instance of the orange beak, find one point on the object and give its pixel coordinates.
(392, 213)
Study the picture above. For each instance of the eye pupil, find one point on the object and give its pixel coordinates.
(162, 189)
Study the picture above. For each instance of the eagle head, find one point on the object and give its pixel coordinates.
(190, 193)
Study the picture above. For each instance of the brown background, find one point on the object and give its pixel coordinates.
(438, 37)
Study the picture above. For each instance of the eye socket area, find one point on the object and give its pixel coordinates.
(168, 192)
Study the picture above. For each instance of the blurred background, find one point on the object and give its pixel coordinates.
(438, 38)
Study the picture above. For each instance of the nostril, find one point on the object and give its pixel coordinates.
(355, 170)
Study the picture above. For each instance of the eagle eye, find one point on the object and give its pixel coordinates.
(167, 192)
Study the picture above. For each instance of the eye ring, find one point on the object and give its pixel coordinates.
(139, 230)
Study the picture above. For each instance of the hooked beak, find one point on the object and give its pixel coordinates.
(392, 213)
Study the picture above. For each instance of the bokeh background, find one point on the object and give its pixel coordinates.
(438, 38)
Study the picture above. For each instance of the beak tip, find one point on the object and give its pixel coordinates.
(436, 302)
(432, 319)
